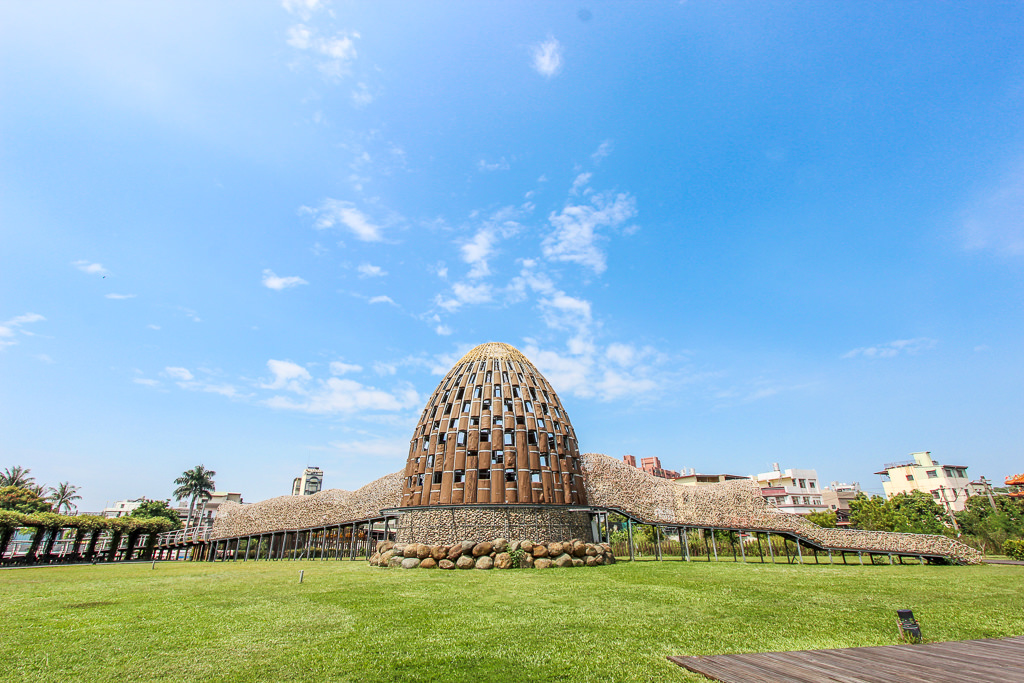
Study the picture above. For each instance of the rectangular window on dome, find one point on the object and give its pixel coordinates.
(483, 474)
(437, 477)
(457, 476)
(460, 440)
(510, 475)
(465, 406)
(531, 438)
(419, 480)
(483, 365)
(544, 406)
(535, 477)
(533, 393)
(504, 377)
(544, 461)
(558, 413)
(462, 392)
(520, 420)
(486, 405)
(426, 443)
(520, 376)
(558, 427)
(430, 461)
(515, 392)
(453, 423)
(529, 406)
(508, 404)
(442, 437)
(497, 365)
(447, 408)
(487, 378)
(485, 435)
(478, 392)
(498, 457)
(496, 393)
(540, 423)
(510, 439)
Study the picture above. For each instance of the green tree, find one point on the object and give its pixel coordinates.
(194, 484)
(62, 497)
(989, 527)
(23, 500)
(160, 509)
(915, 513)
(16, 476)
(826, 519)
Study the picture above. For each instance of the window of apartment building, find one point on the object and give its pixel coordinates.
(810, 483)
(462, 392)
(910, 477)
(544, 460)
(426, 443)
(515, 391)
(932, 474)
(486, 405)
(531, 437)
(442, 437)
(802, 483)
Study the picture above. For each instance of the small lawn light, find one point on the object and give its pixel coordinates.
(910, 630)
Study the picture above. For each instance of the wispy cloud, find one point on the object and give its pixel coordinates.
(486, 166)
(577, 229)
(272, 281)
(303, 8)
(368, 270)
(339, 368)
(443, 330)
(603, 150)
(336, 395)
(334, 213)
(893, 348)
(91, 268)
(995, 221)
(382, 299)
(334, 54)
(547, 57)
(11, 328)
(361, 95)
(120, 296)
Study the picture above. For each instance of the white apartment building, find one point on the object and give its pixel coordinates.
(948, 485)
(310, 482)
(793, 490)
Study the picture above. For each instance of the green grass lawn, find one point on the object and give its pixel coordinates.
(350, 622)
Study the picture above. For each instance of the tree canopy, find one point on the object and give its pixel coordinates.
(23, 500)
(915, 513)
(157, 509)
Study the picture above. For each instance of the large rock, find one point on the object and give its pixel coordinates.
(465, 562)
(455, 553)
(467, 547)
(554, 549)
(527, 561)
(503, 561)
(540, 551)
(422, 551)
(591, 550)
(438, 553)
(563, 560)
(514, 546)
(399, 549)
(579, 548)
(446, 564)
(410, 563)
(396, 561)
(374, 559)
(526, 546)
(500, 545)
(410, 550)
(385, 545)
(483, 548)
(428, 563)
(577, 562)
(591, 561)
(484, 562)
(599, 559)
(542, 563)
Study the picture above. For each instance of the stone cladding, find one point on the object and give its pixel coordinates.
(438, 525)
(494, 431)
(739, 504)
(492, 554)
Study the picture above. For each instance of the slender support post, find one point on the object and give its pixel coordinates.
(760, 550)
(860, 554)
(830, 555)
(743, 553)
(629, 532)
(707, 548)
(771, 550)
(686, 544)
(657, 545)
(799, 550)
(732, 545)
(714, 545)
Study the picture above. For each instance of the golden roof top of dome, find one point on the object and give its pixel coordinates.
(494, 350)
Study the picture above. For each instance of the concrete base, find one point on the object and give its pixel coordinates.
(437, 525)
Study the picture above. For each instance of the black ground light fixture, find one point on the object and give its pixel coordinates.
(910, 630)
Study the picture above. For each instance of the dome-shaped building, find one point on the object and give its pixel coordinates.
(494, 434)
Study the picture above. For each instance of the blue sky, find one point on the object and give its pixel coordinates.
(251, 235)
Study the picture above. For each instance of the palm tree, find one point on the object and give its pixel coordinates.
(16, 476)
(62, 496)
(194, 484)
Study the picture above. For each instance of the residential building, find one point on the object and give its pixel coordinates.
(310, 482)
(836, 497)
(793, 490)
(122, 508)
(650, 466)
(691, 478)
(946, 484)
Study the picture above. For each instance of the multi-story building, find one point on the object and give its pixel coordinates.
(650, 466)
(691, 478)
(946, 484)
(793, 490)
(310, 482)
(836, 497)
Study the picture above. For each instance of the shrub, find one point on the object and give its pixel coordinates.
(1014, 549)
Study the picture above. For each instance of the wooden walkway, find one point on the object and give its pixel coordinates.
(985, 661)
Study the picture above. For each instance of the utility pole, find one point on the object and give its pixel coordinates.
(949, 507)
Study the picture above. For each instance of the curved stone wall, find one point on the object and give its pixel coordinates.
(437, 525)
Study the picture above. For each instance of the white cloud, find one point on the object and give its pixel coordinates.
(10, 328)
(339, 368)
(373, 448)
(580, 182)
(382, 299)
(361, 96)
(893, 348)
(603, 150)
(585, 370)
(385, 368)
(335, 53)
(577, 228)
(153, 327)
(472, 294)
(477, 251)
(336, 395)
(303, 8)
(443, 330)
(547, 57)
(181, 374)
(91, 268)
(120, 296)
(485, 166)
(334, 212)
(367, 270)
(272, 281)
(286, 375)
(995, 221)
(146, 382)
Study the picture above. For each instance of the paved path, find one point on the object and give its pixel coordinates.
(984, 661)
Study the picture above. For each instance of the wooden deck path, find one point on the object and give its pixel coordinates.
(985, 661)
